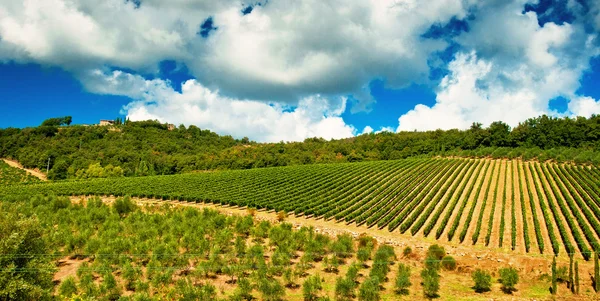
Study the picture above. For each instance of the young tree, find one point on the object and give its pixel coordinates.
(311, 288)
(596, 273)
(270, 289)
(344, 289)
(403, 279)
(483, 281)
(509, 277)
(448, 263)
(571, 283)
(431, 282)
(576, 278)
(554, 277)
(369, 290)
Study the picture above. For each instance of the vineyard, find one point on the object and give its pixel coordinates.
(11, 175)
(523, 206)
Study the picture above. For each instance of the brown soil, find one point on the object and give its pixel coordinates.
(33, 172)
(540, 214)
(67, 267)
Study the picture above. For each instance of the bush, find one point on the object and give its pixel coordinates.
(407, 251)
(483, 281)
(344, 289)
(403, 279)
(431, 282)
(509, 277)
(369, 290)
(448, 263)
(436, 252)
(124, 205)
(311, 287)
(68, 287)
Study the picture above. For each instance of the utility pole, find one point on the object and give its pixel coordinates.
(48, 166)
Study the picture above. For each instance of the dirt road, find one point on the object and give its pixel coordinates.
(32, 172)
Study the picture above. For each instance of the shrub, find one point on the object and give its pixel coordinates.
(311, 287)
(509, 277)
(483, 281)
(407, 251)
(68, 287)
(281, 215)
(431, 282)
(436, 252)
(369, 290)
(344, 289)
(124, 206)
(448, 263)
(403, 279)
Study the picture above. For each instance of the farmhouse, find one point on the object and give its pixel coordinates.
(104, 122)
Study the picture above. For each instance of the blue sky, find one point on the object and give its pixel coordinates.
(235, 68)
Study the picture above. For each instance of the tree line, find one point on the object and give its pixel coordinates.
(150, 148)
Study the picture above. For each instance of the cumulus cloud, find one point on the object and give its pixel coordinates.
(205, 108)
(584, 106)
(513, 68)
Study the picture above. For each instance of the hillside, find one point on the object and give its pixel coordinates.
(150, 148)
(13, 175)
(524, 206)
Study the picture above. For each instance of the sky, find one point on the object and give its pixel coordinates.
(286, 70)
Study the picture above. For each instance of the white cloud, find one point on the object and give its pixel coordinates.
(584, 106)
(367, 130)
(514, 68)
(314, 116)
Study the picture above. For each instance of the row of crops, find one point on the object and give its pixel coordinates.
(11, 175)
(524, 206)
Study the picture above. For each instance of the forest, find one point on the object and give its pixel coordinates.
(150, 148)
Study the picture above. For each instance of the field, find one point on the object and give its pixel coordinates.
(12, 175)
(525, 207)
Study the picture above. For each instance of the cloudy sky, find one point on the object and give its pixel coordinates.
(277, 70)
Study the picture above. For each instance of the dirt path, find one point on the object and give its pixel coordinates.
(32, 172)
(499, 211)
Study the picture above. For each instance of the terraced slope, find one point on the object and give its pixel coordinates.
(13, 175)
(515, 205)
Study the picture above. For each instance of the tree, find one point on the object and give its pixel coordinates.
(26, 276)
(344, 289)
(577, 278)
(509, 277)
(270, 289)
(571, 283)
(431, 282)
(68, 287)
(58, 121)
(369, 290)
(311, 288)
(596, 273)
(123, 206)
(554, 277)
(483, 281)
(402, 279)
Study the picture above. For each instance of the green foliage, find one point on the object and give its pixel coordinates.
(407, 251)
(12, 175)
(58, 121)
(124, 205)
(25, 275)
(554, 276)
(431, 282)
(381, 262)
(483, 281)
(402, 280)
(68, 287)
(312, 287)
(369, 290)
(270, 289)
(436, 252)
(509, 277)
(448, 263)
(344, 289)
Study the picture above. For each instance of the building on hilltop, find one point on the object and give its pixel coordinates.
(104, 122)
(170, 126)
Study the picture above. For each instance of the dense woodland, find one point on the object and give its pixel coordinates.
(150, 148)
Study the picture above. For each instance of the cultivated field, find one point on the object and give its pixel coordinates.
(14, 175)
(523, 206)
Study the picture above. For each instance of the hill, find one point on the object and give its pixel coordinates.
(150, 148)
(524, 206)
(12, 175)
